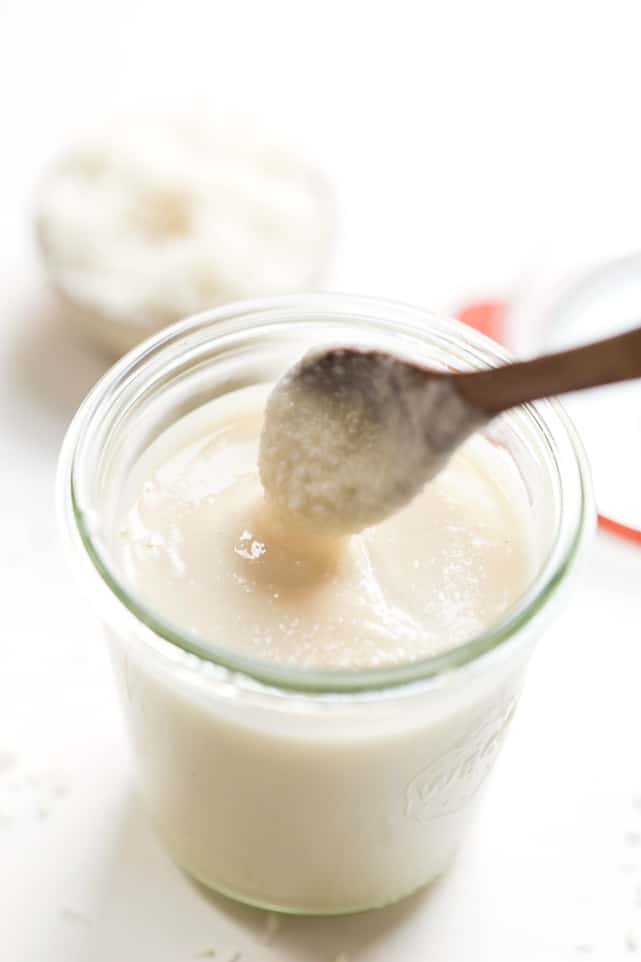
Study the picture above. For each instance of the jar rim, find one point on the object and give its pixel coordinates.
(548, 418)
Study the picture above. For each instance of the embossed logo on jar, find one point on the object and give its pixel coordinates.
(449, 782)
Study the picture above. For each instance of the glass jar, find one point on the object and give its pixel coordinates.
(569, 304)
(291, 788)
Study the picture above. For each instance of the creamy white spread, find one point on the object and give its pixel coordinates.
(204, 548)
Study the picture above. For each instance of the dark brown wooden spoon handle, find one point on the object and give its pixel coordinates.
(604, 362)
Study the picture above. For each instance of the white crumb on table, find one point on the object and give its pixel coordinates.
(31, 792)
(73, 915)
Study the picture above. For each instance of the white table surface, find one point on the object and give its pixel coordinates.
(467, 142)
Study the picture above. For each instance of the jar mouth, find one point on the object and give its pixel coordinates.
(117, 393)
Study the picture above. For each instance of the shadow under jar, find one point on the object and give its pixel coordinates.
(291, 788)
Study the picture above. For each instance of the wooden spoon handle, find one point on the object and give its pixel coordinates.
(604, 362)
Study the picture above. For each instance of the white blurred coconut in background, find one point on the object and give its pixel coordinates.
(154, 218)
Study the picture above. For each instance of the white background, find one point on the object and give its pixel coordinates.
(468, 143)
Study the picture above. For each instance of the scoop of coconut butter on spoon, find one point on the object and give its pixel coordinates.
(351, 435)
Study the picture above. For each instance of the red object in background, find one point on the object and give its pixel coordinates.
(623, 530)
(487, 318)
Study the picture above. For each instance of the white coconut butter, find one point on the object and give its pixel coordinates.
(314, 803)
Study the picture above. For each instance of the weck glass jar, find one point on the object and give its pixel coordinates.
(290, 788)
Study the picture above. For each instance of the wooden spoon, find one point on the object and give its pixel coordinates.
(351, 435)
